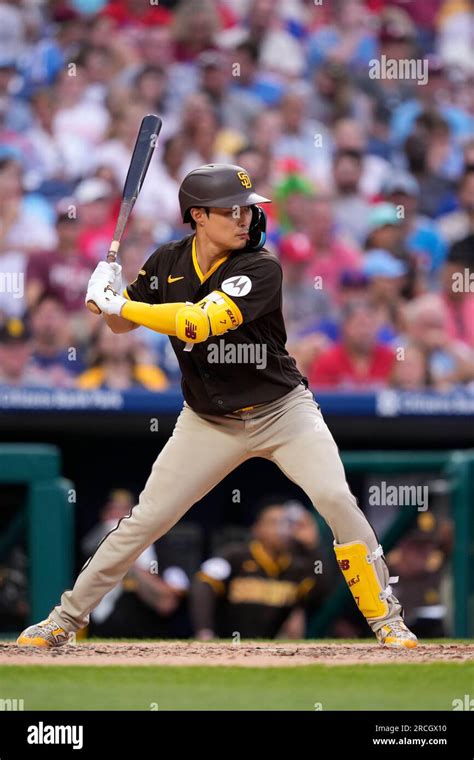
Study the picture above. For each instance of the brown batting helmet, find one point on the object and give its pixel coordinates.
(218, 186)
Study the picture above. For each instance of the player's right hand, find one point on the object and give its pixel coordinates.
(107, 274)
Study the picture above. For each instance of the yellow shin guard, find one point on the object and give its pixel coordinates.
(356, 562)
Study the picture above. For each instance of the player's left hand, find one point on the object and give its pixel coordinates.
(107, 301)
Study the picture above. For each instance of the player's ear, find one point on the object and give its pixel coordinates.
(198, 215)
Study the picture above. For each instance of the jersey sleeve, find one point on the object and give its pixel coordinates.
(254, 287)
(218, 570)
(145, 287)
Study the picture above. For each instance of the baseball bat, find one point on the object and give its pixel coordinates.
(139, 163)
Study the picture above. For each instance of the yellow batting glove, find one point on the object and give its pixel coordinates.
(192, 324)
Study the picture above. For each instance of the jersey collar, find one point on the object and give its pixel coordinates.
(272, 567)
(197, 268)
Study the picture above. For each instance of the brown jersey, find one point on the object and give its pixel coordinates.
(243, 367)
(257, 592)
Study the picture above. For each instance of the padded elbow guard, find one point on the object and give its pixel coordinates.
(222, 312)
(192, 324)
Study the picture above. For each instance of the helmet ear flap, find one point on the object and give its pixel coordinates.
(257, 230)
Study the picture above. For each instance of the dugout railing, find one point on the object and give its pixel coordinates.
(45, 521)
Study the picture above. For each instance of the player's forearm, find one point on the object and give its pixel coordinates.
(202, 607)
(155, 592)
(119, 324)
(159, 317)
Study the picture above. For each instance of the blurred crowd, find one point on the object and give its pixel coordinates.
(371, 173)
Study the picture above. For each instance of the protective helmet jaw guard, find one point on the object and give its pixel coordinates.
(257, 230)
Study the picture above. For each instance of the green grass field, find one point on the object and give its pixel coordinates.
(355, 687)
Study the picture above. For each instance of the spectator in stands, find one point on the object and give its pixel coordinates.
(410, 371)
(259, 166)
(302, 139)
(422, 150)
(397, 42)
(252, 81)
(194, 29)
(15, 114)
(314, 338)
(57, 158)
(335, 97)
(95, 207)
(24, 230)
(457, 283)
(293, 195)
(353, 285)
(150, 87)
(347, 40)
(115, 365)
(255, 588)
(420, 236)
(63, 271)
(332, 253)
(386, 233)
(358, 361)
(234, 109)
(432, 97)
(100, 65)
(350, 208)
(450, 363)
(349, 135)
(203, 134)
(77, 114)
(263, 24)
(148, 601)
(115, 154)
(384, 228)
(55, 361)
(302, 301)
(266, 130)
(460, 223)
(15, 353)
(385, 275)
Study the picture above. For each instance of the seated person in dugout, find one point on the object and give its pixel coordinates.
(150, 601)
(261, 588)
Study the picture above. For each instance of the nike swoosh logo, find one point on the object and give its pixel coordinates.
(174, 279)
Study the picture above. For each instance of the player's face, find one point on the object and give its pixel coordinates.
(273, 529)
(228, 227)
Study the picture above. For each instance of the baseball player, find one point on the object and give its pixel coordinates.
(217, 294)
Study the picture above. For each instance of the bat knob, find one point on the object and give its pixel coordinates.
(92, 306)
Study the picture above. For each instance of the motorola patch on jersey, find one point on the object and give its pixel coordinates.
(239, 285)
